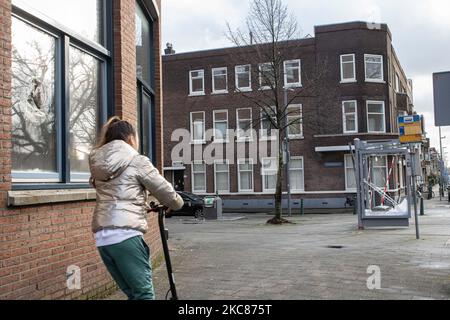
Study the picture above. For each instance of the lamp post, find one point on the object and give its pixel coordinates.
(287, 152)
(441, 180)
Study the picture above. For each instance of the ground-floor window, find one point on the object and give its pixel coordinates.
(297, 174)
(199, 177)
(350, 177)
(222, 176)
(59, 101)
(269, 174)
(245, 172)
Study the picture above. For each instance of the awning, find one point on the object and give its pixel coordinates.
(334, 149)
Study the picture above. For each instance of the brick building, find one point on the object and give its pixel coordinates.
(362, 90)
(65, 67)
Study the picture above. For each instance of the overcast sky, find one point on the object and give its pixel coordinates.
(421, 33)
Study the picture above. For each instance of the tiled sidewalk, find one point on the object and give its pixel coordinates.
(246, 259)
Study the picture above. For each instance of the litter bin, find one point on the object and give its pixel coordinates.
(448, 189)
(210, 211)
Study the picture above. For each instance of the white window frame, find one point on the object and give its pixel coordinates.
(343, 80)
(369, 113)
(252, 171)
(204, 128)
(263, 135)
(222, 162)
(226, 140)
(198, 172)
(382, 67)
(296, 169)
(236, 73)
(214, 91)
(297, 84)
(397, 83)
(345, 114)
(239, 138)
(348, 164)
(289, 118)
(261, 87)
(196, 93)
(263, 175)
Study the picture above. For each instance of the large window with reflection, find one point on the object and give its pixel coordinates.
(145, 58)
(61, 74)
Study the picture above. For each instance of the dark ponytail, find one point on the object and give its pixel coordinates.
(116, 129)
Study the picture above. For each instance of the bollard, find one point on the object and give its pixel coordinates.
(302, 207)
(422, 207)
(448, 189)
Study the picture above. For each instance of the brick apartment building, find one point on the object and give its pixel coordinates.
(362, 90)
(65, 67)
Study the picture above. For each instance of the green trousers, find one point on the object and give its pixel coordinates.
(129, 265)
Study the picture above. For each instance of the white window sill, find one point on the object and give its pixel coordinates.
(221, 141)
(238, 90)
(198, 142)
(29, 198)
(296, 138)
(197, 94)
(241, 140)
(293, 86)
(375, 81)
(348, 81)
(351, 132)
(264, 88)
(217, 93)
(376, 132)
(351, 190)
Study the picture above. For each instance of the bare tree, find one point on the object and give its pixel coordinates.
(271, 39)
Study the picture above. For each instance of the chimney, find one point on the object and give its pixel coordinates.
(169, 49)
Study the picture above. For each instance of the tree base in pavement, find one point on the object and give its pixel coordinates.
(278, 221)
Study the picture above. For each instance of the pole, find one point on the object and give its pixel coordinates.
(162, 230)
(440, 166)
(413, 177)
(288, 154)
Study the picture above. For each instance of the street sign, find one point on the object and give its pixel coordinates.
(411, 128)
(441, 83)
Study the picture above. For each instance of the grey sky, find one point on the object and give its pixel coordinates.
(421, 33)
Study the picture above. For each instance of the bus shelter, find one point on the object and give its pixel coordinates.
(376, 205)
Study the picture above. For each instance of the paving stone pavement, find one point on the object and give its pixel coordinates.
(247, 259)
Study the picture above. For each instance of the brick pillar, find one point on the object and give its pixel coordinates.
(5, 100)
(158, 90)
(125, 60)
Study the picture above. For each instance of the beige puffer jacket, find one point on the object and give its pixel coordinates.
(121, 177)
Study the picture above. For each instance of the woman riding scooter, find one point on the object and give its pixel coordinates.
(122, 178)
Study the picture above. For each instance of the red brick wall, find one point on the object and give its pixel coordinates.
(125, 59)
(39, 243)
(159, 90)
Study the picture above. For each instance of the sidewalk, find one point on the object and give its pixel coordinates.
(321, 257)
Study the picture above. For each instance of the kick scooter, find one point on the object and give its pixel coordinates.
(161, 210)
